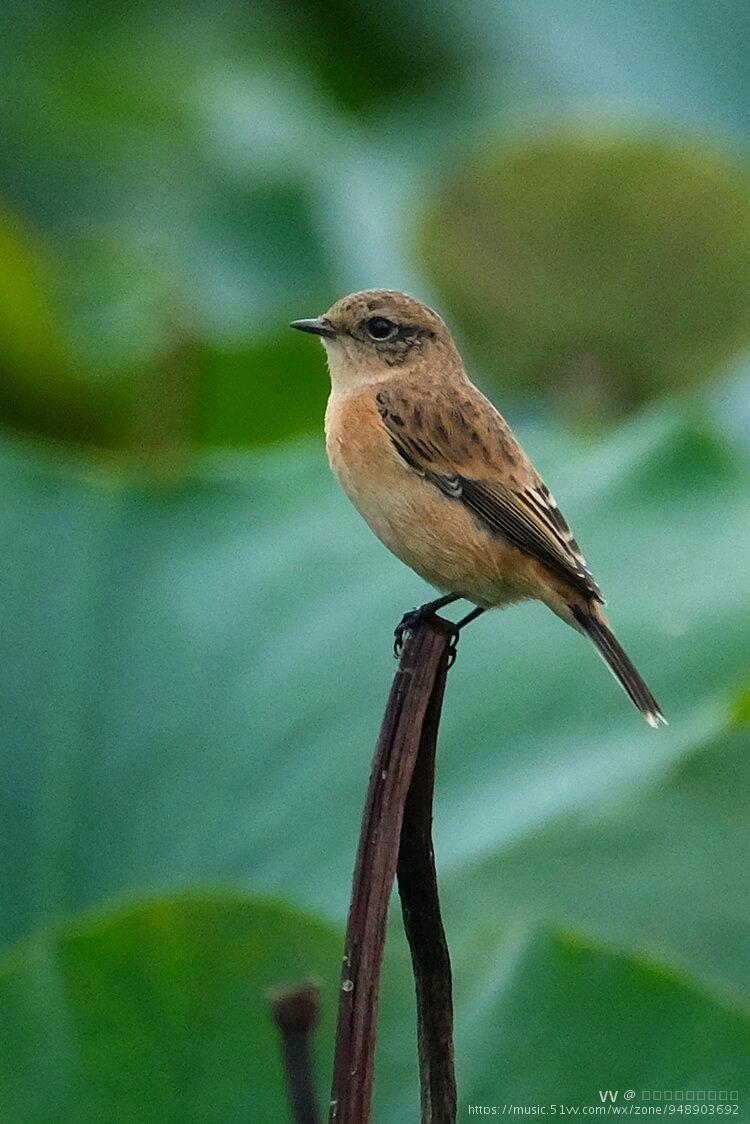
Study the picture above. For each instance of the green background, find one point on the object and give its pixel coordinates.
(195, 627)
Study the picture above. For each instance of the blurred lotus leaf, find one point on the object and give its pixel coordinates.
(134, 373)
(30, 329)
(159, 1012)
(600, 267)
(260, 392)
(160, 1009)
(40, 387)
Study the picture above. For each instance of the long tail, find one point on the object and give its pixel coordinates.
(619, 663)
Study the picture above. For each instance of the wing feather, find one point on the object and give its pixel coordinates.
(465, 448)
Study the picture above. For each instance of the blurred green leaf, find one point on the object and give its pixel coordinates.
(170, 390)
(680, 839)
(41, 387)
(220, 186)
(179, 208)
(259, 393)
(570, 1019)
(601, 266)
(367, 56)
(159, 1012)
(31, 331)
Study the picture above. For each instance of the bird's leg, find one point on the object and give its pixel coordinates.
(472, 616)
(414, 616)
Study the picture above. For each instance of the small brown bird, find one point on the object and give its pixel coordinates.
(435, 471)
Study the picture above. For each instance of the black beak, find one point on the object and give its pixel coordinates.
(318, 327)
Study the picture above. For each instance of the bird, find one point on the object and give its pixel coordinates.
(436, 472)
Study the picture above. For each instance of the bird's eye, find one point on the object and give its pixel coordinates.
(381, 329)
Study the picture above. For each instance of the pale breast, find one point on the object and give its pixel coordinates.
(362, 456)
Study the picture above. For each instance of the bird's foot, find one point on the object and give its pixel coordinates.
(415, 617)
(410, 620)
(408, 623)
(453, 646)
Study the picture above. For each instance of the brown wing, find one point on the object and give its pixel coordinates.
(457, 440)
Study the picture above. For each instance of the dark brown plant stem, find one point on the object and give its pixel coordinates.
(415, 698)
(297, 1012)
(420, 905)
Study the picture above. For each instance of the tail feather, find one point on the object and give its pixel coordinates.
(619, 663)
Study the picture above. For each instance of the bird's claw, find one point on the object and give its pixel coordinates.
(406, 624)
(409, 622)
(453, 648)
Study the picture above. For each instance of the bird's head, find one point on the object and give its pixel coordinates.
(374, 335)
